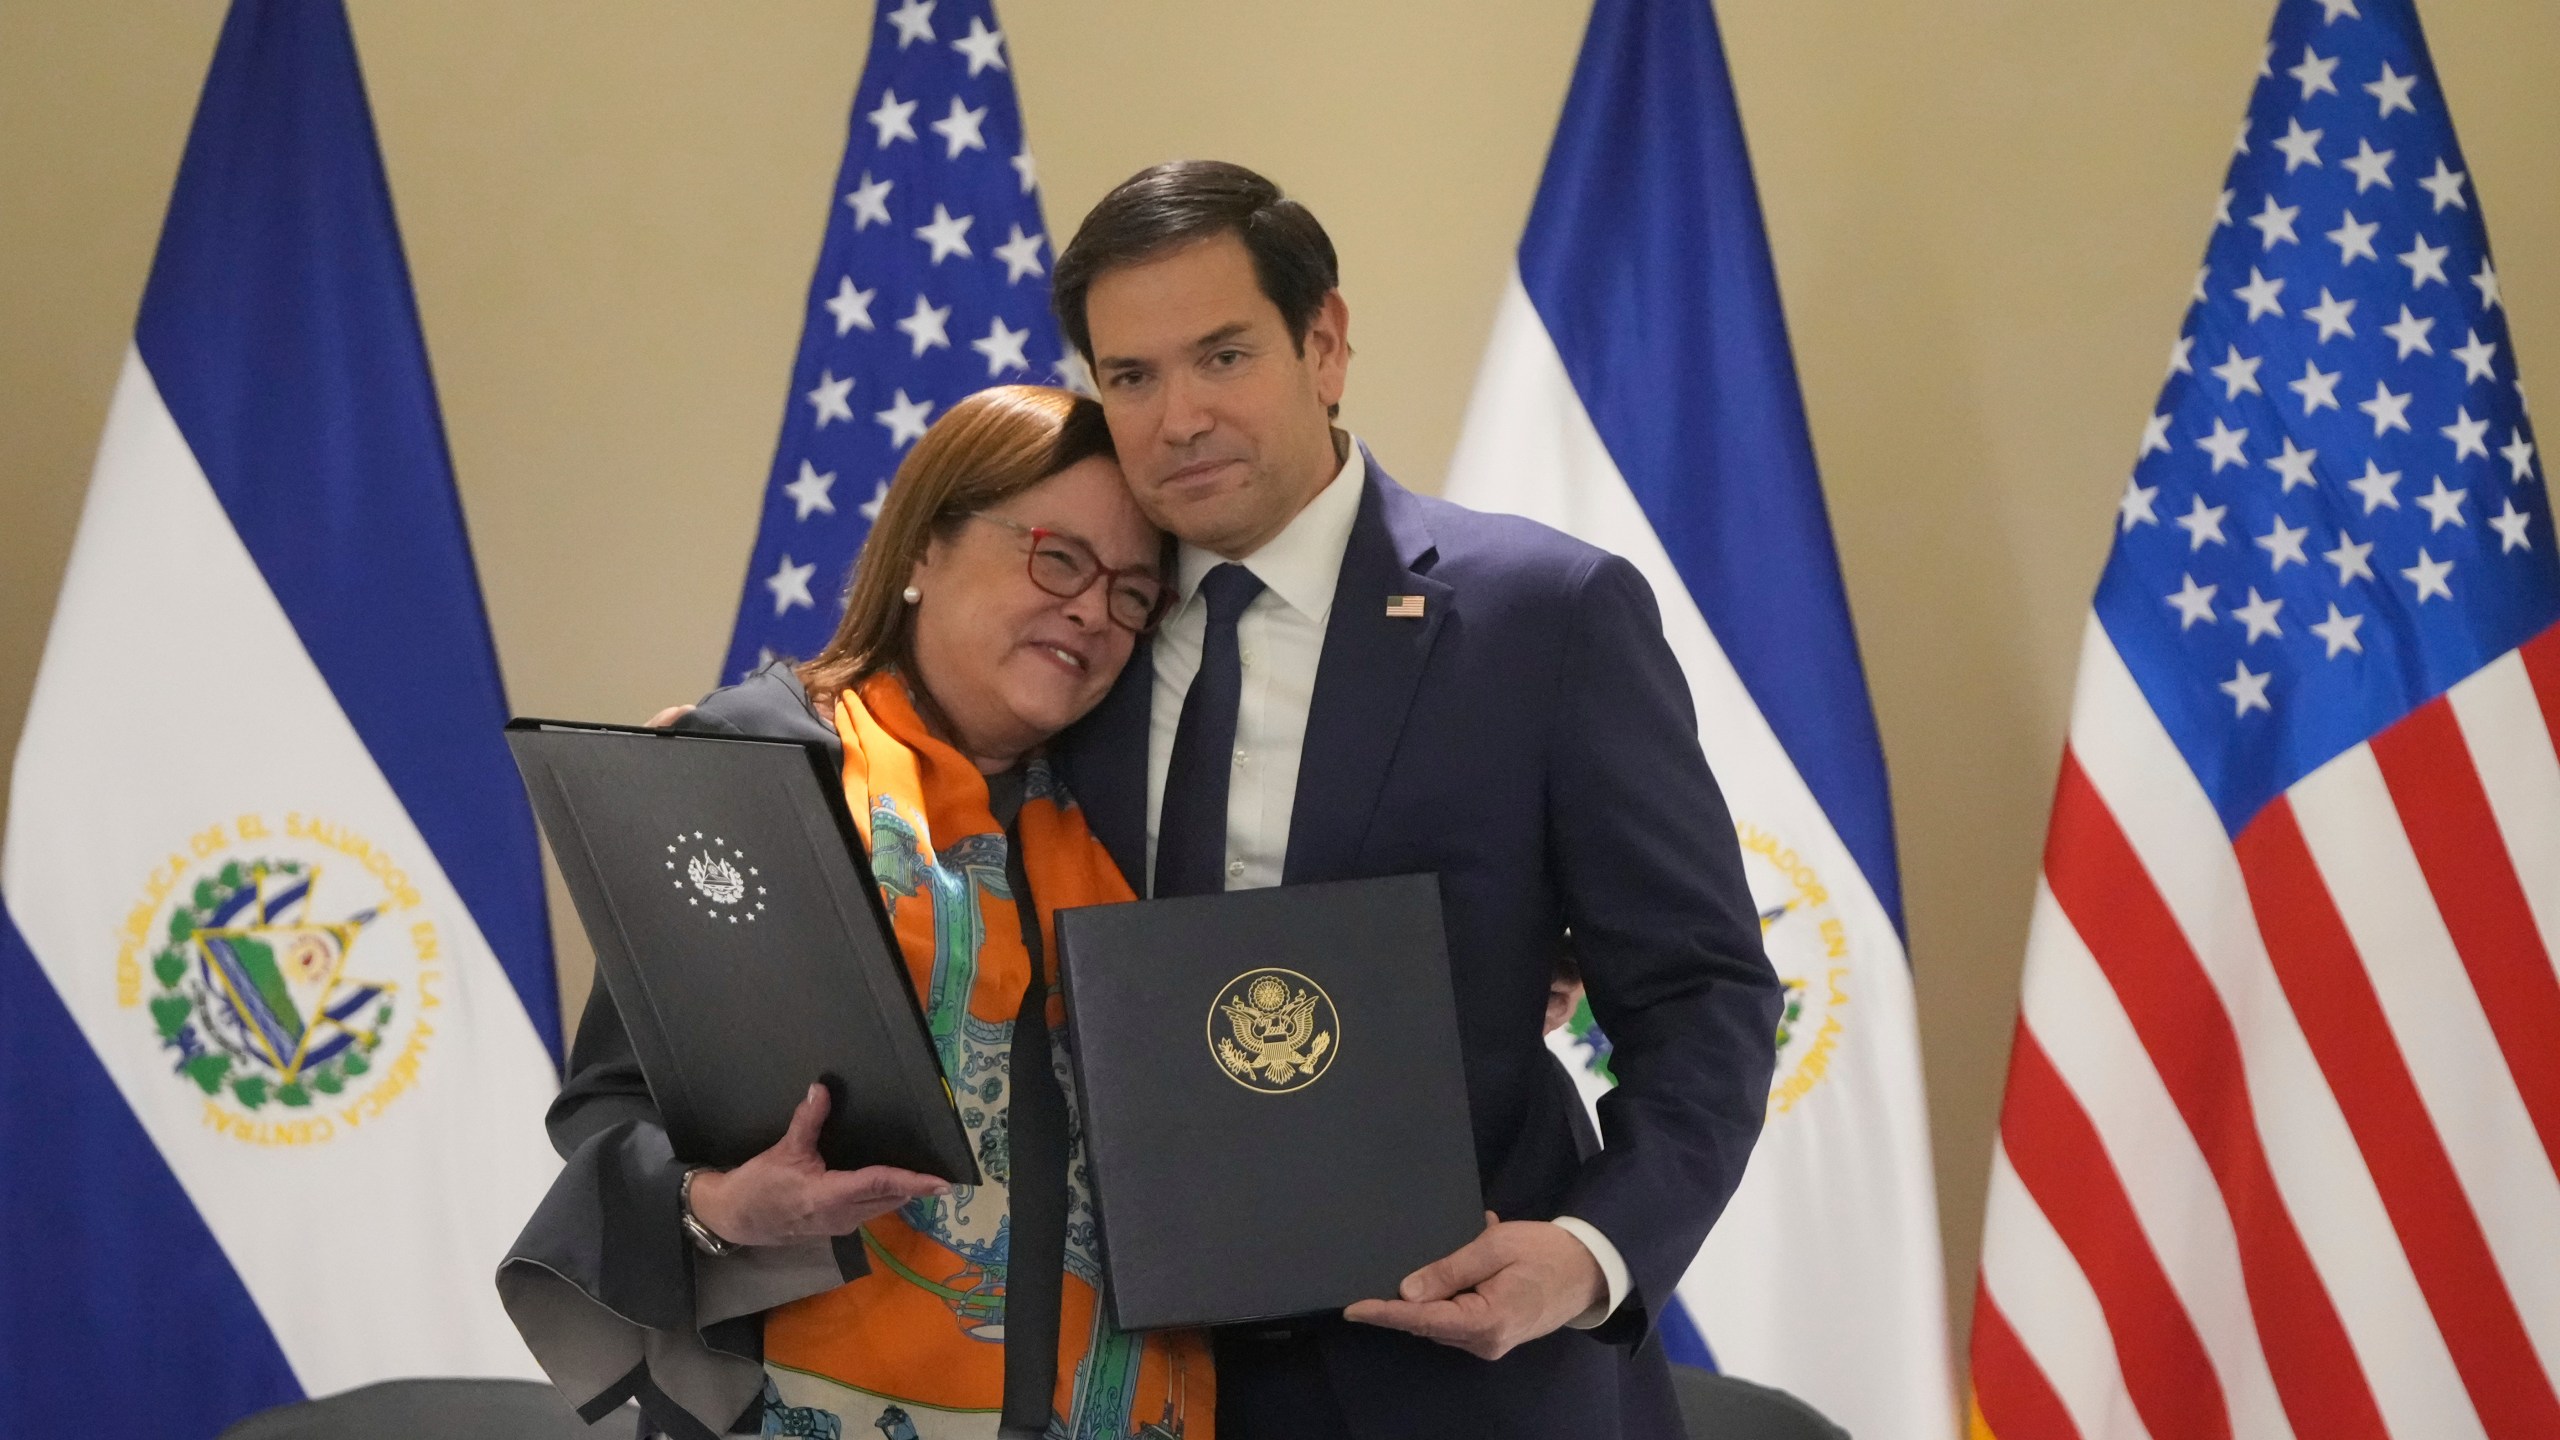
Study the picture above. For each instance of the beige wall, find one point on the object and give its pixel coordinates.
(1985, 214)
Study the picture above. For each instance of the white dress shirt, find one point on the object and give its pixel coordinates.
(1280, 640)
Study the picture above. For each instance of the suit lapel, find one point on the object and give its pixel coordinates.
(1106, 758)
(1365, 682)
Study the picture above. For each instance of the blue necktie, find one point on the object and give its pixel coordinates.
(1191, 823)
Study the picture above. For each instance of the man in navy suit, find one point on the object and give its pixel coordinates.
(1360, 681)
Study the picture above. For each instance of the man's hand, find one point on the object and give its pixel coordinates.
(788, 1193)
(1517, 1281)
(669, 716)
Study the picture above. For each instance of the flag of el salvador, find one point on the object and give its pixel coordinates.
(1638, 392)
(277, 1016)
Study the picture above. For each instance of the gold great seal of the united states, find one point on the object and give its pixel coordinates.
(1273, 1031)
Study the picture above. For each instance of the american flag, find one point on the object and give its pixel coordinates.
(2277, 1152)
(933, 283)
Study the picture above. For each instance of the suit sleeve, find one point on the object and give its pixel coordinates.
(1644, 854)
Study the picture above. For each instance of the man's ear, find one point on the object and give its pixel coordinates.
(1329, 345)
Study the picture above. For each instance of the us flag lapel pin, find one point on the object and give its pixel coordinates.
(1404, 607)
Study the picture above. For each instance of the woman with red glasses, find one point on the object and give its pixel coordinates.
(1005, 582)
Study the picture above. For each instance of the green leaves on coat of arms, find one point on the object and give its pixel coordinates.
(183, 1011)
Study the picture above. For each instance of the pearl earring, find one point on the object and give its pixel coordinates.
(911, 595)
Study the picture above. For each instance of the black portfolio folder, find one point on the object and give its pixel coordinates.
(734, 917)
(1272, 1095)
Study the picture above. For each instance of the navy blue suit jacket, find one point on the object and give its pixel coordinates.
(1531, 740)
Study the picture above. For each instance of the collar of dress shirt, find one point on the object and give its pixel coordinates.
(1303, 562)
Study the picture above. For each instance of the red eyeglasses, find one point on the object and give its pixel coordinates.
(1066, 567)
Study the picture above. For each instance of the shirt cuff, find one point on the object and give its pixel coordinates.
(1613, 1272)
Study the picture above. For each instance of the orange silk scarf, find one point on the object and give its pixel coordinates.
(918, 1342)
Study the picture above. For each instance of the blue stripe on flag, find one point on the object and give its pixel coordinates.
(281, 331)
(1682, 1343)
(273, 911)
(230, 909)
(115, 1291)
(1645, 258)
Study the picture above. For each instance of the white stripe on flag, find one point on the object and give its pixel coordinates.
(2070, 1005)
(2171, 824)
(2031, 1276)
(2355, 838)
(2501, 721)
(175, 697)
(1823, 1276)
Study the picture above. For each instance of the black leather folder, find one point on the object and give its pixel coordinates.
(1272, 1097)
(736, 922)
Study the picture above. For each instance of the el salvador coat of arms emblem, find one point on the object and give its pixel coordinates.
(717, 873)
(266, 1004)
(257, 983)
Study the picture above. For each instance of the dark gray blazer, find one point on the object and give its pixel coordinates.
(608, 1293)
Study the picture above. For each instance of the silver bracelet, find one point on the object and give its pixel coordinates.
(704, 1238)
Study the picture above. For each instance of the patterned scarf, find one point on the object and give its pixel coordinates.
(914, 1350)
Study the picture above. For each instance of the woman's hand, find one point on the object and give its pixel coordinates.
(788, 1193)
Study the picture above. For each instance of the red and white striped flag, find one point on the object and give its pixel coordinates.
(2277, 1156)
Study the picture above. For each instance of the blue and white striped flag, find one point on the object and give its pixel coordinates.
(1638, 392)
(932, 284)
(277, 1017)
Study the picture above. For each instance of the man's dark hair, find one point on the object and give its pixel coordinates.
(1182, 202)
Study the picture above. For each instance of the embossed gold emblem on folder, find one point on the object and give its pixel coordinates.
(1201, 1187)
(1273, 1031)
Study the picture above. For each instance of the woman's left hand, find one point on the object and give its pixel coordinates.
(788, 1193)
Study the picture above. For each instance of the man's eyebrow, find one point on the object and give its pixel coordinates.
(1220, 336)
(1224, 334)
